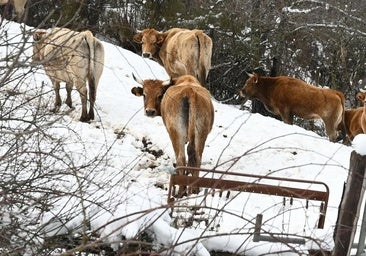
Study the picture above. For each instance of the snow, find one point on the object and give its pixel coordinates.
(127, 191)
(359, 144)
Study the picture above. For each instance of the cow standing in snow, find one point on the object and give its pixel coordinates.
(74, 58)
(289, 97)
(188, 115)
(180, 51)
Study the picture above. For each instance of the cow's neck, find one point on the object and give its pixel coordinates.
(267, 85)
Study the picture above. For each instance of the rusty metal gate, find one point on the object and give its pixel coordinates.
(223, 182)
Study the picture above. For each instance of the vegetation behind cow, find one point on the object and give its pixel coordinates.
(320, 42)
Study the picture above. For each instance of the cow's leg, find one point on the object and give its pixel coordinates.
(180, 69)
(81, 87)
(331, 130)
(92, 97)
(194, 160)
(69, 90)
(287, 117)
(178, 143)
(57, 104)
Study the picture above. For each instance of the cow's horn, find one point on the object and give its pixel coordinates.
(362, 90)
(167, 82)
(137, 80)
(250, 75)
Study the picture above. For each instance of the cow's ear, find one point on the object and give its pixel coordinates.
(38, 35)
(360, 96)
(137, 91)
(160, 38)
(138, 38)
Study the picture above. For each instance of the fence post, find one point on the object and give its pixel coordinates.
(350, 206)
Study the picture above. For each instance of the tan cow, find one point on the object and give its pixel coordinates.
(180, 51)
(352, 120)
(287, 97)
(74, 58)
(362, 97)
(355, 119)
(187, 112)
(18, 6)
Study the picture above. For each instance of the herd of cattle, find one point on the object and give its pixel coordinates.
(183, 102)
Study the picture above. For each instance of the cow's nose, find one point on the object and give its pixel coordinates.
(146, 55)
(150, 112)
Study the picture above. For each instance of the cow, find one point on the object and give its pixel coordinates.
(352, 120)
(18, 6)
(188, 115)
(289, 97)
(180, 51)
(355, 119)
(362, 97)
(74, 58)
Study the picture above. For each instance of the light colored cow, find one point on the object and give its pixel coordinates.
(180, 51)
(74, 58)
(187, 112)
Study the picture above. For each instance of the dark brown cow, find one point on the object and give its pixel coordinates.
(180, 51)
(74, 58)
(287, 97)
(187, 112)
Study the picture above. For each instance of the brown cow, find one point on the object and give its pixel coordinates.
(180, 51)
(362, 97)
(187, 112)
(287, 97)
(355, 119)
(18, 6)
(352, 120)
(74, 58)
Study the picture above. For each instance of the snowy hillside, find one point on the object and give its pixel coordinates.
(109, 175)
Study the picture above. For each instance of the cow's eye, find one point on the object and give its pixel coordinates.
(160, 97)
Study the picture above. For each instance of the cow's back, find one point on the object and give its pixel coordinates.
(66, 52)
(180, 99)
(186, 52)
(304, 100)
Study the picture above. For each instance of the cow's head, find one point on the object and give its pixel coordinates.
(153, 92)
(38, 45)
(250, 87)
(151, 41)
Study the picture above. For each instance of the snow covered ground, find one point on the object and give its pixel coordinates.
(126, 191)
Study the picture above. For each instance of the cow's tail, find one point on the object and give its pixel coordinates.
(205, 53)
(96, 62)
(190, 119)
(90, 42)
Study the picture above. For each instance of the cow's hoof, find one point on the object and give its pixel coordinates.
(55, 109)
(195, 190)
(84, 119)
